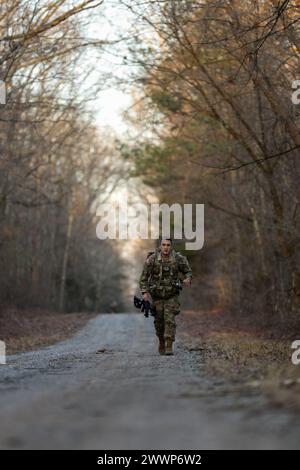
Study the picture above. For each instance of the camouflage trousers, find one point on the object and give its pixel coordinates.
(164, 321)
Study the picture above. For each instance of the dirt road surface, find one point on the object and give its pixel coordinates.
(127, 396)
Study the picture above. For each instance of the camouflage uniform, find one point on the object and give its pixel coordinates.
(158, 279)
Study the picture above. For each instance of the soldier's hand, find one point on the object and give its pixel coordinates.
(146, 297)
(187, 281)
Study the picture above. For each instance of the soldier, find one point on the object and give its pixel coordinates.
(160, 280)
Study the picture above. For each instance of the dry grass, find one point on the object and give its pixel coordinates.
(243, 355)
(29, 329)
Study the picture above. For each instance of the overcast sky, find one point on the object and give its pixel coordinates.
(108, 23)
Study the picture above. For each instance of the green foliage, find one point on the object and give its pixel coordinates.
(151, 162)
(166, 101)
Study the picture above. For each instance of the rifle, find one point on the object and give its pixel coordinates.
(144, 306)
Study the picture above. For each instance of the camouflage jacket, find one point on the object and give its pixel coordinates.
(162, 278)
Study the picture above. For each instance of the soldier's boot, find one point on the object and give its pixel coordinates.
(169, 347)
(162, 346)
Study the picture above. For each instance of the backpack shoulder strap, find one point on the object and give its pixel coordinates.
(178, 257)
(151, 257)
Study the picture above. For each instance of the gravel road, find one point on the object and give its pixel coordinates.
(67, 396)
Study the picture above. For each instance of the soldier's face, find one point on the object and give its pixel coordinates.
(165, 247)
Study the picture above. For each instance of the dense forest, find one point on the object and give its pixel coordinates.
(54, 161)
(216, 89)
(213, 122)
